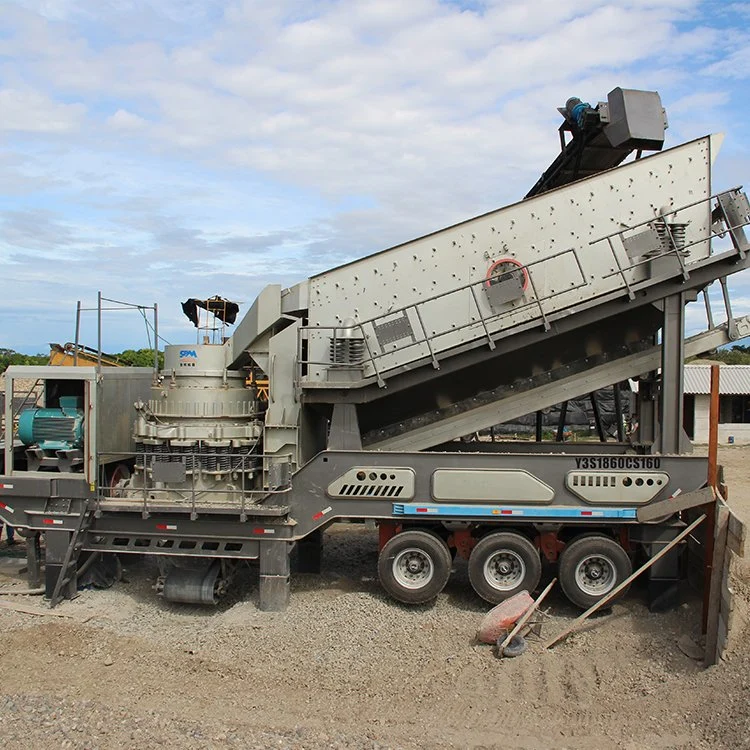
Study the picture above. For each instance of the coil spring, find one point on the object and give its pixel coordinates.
(239, 462)
(671, 236)
(347, 351)
(189, 455)
(225, 460)
(208, 457)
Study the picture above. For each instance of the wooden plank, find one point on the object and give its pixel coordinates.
(672, 505)
(737, 535)
(722, 646)
(32, 610)
(712, 602)
(722, 639)
(725, 568)
(522, 621)
(612, 594)
(727, 599)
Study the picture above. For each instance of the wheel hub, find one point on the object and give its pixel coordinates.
(505, 570)
(596, 575)
(413, 568)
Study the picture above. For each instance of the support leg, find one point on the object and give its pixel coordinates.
(274, 576)
(56, 546)
(310, 553)
(561, 422)
(648, 413)
(344, 434)
(672, 361)
(618, 412)
(33, 561)
(597, 418)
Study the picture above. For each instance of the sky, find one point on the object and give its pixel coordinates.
(156, 150)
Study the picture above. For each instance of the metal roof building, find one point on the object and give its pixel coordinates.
(734, 380)
(734, 402)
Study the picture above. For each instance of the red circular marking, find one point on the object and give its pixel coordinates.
(505, 261)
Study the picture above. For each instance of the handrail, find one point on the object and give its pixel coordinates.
(195, 499)
(426, 339)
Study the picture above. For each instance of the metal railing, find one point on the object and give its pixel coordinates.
(195, 482)
(366, 330)
(428, 340)
(677, 249)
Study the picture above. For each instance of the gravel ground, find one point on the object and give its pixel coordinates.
(346, 667)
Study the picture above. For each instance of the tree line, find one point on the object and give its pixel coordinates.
(736, 355)
(127, 358)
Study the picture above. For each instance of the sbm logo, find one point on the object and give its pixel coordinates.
(188, 354)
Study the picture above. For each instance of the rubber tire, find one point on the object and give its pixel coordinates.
(489, 545)
(581, 547)
(432, 546)
(516, 647)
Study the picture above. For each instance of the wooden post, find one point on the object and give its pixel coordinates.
(713, 428)
(713, 452)
(714, 592)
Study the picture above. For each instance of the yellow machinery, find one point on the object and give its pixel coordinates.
(81, 356)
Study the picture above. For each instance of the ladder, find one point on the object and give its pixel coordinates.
(70, 560)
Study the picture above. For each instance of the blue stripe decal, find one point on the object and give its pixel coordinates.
(502, 511)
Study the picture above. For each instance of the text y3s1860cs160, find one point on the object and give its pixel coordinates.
(618, 462)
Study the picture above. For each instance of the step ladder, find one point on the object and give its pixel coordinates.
(70, 560)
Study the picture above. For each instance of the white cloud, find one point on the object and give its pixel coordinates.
(33, 112)
(124, 120)
(195, 131)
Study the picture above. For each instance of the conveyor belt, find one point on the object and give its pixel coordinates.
(604, 136)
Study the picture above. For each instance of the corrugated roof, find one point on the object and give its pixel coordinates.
(733, 379)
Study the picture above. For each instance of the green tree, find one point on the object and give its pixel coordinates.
(9, 357)
(737, 355)
(139, 358)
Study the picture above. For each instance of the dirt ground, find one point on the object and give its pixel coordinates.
(345, 667)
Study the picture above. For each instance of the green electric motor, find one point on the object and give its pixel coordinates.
(53, 429)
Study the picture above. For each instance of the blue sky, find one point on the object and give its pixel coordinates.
(162, 149)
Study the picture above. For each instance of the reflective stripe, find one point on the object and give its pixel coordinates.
(490, 511)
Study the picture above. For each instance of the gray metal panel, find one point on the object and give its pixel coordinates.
(264, 313)
(118, 390)
(615, 304)
(296, 298)
(489, 485)
(163, 471)
(533, 232)
(361, 482)
(636, 117)
(311, 506)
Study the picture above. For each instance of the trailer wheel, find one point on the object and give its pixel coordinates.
(503, 564)
(592, 566)
(414, 566)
